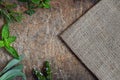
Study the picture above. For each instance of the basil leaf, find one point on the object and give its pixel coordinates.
(11, 39)
(5, 31)
(12, 51)
(12, 63)
(36, 1)
(46, 5)
(11, 74)
(2, 44)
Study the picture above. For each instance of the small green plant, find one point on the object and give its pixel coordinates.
(13, 70)
(32, 4)
(8, 13)
(42, 3)
(46, 74)
(7, 40)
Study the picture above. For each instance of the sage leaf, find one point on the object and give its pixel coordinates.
(12, 63)
(19, 67)
(11, 74)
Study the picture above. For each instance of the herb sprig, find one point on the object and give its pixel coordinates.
(8, 13)
(32, 4)
(13, 70)
(46, 74)
(6, 41)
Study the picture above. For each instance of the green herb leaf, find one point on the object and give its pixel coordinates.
(12, 51)
(17, 16)
(7, 40)
(10, 6)
(5, 15)
(5, 31)
(12, 70)
(39, 75)
(2, 44)
(36, 1)
(47, 71)
(19, 67)
(30, 12)
(11, 39)
(46, 75)
(11, 74)
(47, 1)
(12, 63)
(46, 5)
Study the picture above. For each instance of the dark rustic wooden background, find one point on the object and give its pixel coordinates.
(38, 38)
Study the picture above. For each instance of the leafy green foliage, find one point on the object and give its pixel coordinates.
(8, 13)
(7, 40)
(45, 75)
(36, 1)
(44, 4)
(32, 4)
(47, 71)
(12, 70)
(30, 12)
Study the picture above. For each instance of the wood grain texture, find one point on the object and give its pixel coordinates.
(95, 39)
(37, 38)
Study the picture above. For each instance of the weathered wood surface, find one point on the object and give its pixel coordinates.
(95, 39)
(37, 38)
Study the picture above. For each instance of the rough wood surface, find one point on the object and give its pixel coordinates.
(95, 39)
(37, 38)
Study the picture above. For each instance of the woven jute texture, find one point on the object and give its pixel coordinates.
(95, 39)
